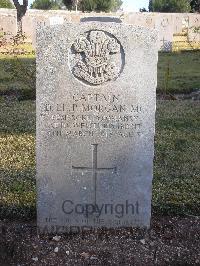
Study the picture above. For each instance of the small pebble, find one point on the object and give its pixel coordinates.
(93, 258)
(152, 244)
(56, 249)
(85, 255)
(35, 259)
(57, 238)
(143, 241)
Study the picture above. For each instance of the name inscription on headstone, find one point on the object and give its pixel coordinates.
(96, 86)
(110, 117)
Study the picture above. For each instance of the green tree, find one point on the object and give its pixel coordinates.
(6, 4)
(173, 6)
(88, 5)
(195, 5)
(93, 5)
(21, 11)
(68, 4)
(150, 5)
(104, 5)
(72, 4)
(116, 5)
(45, 4)
(143, 9)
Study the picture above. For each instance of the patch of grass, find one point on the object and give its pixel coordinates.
(177, 165)
(176, 186)
(17, 160)
(17, 77)
(177, 73)
(183, 68)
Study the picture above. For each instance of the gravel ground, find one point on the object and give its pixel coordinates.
(170, 241)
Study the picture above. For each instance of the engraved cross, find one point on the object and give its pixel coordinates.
(94, 169)
(163, 41)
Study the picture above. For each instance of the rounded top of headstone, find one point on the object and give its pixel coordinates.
(101, 19)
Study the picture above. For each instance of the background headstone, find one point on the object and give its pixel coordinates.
(56, 20)
(164, 26)
(194, 28)
(96, 97)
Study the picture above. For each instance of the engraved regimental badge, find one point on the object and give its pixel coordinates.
(96, 57)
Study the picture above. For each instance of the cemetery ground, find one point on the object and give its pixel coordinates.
(174, 235)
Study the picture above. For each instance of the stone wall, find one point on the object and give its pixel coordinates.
(167, 24)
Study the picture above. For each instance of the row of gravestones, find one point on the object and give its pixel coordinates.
(166, 24)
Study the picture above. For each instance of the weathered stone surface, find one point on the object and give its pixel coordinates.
(164, 25)
(96, 97)
(194, 26)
